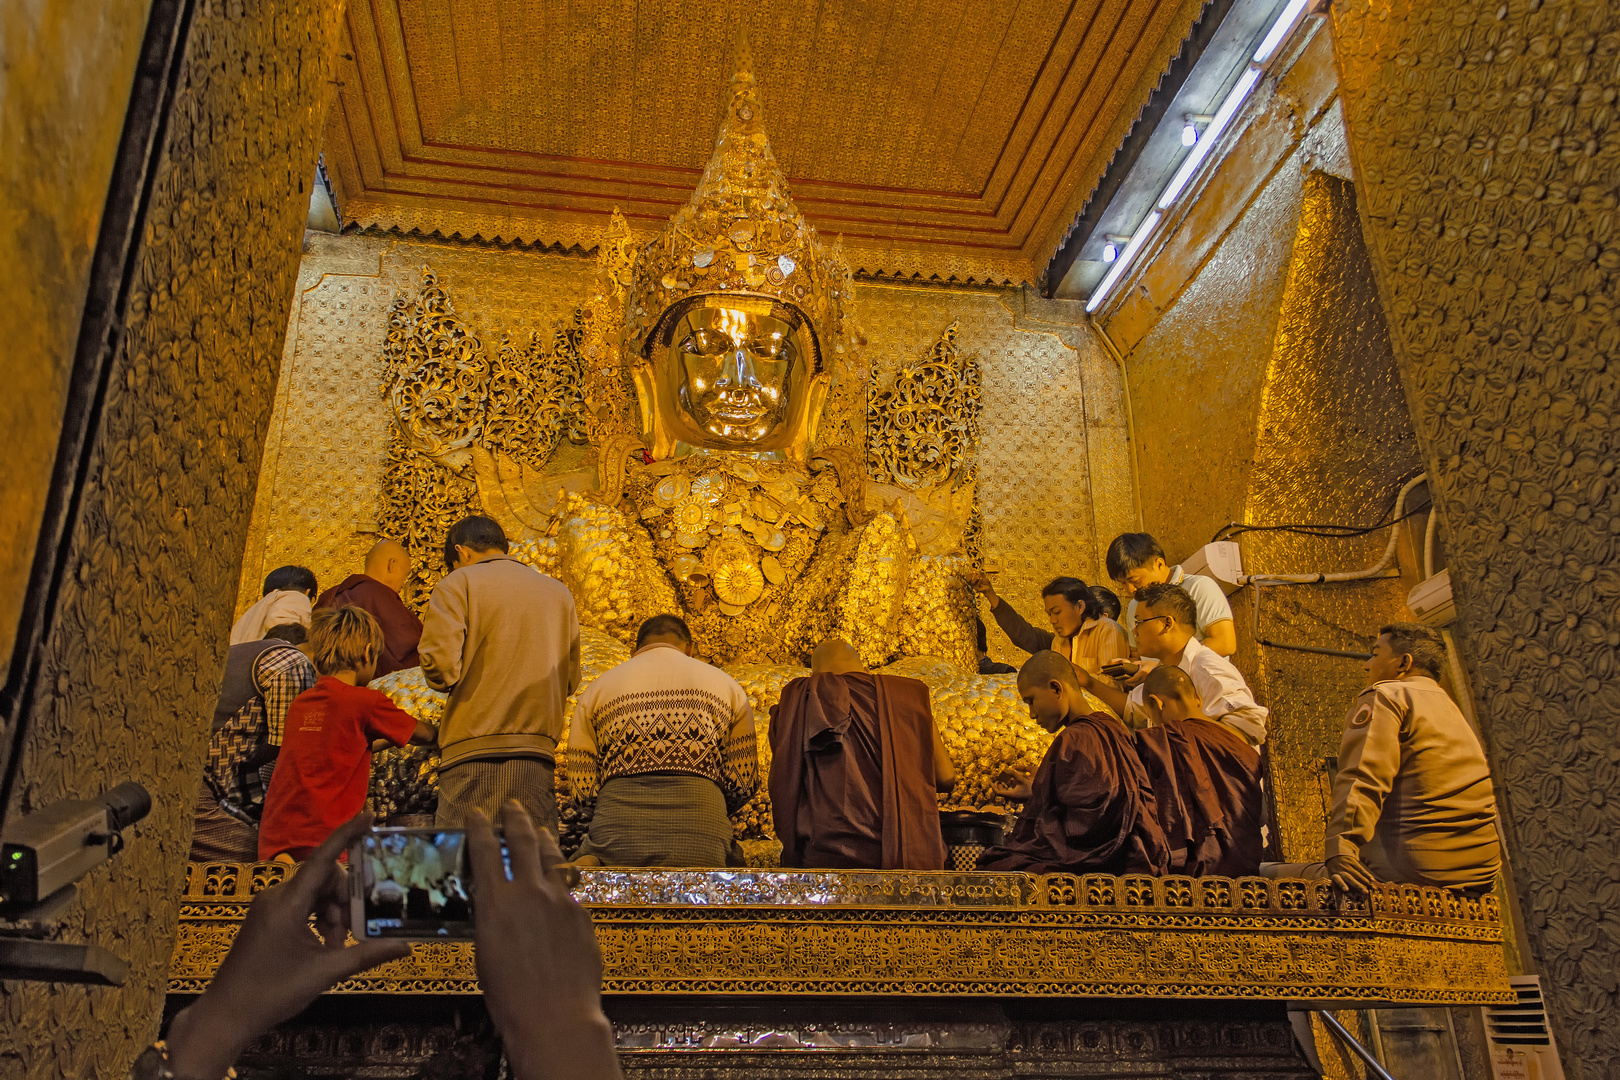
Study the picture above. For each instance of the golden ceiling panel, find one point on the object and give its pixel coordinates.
(941, 140)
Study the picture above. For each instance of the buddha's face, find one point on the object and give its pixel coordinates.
(735, 374)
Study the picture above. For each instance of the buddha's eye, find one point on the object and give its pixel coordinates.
(705, 343)
(771, 347)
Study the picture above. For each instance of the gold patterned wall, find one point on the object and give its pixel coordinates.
(1487, 166)
(68, 70)
(1266, 392)
(1333, 443)
(130, 668)
(1053, 474)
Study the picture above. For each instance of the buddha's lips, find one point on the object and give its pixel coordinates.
(739, 412)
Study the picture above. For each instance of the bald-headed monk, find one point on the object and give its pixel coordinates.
(855, 764)
(376, 590)
(1206, 780)
(1089, 808)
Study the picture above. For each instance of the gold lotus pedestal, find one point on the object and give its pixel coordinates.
(761, 972)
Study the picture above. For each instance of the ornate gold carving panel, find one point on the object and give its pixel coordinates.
(1487, 167)
(319, 496)
(880, 933)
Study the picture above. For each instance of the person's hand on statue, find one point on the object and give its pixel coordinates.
(981, 585)
(1350, 874)
(276, 965)
(537, 959)
(1014, 784)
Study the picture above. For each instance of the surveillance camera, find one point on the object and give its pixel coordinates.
(48, 851)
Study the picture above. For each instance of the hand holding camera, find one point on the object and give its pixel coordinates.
(536, 954)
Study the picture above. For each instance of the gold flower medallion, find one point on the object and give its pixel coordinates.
(737, 578)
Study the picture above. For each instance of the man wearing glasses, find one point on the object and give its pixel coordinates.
(1165, 620)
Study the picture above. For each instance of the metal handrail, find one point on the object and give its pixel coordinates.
(1356, 1048)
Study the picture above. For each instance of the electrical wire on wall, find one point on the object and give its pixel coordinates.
(1384, 568)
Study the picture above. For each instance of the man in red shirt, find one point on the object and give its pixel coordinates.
(324, 769)
(388, 566)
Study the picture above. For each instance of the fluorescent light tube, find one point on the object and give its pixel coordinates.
(1222, 117)
(1138, 238)
(1279, 30)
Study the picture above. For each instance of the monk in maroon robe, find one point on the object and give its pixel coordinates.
(1206, 781)
(855, 765)
(377, 590)
(1089, 807)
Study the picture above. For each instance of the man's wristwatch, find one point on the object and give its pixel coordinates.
(153, 1064)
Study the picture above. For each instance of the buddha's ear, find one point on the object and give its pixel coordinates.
(815, 402)
(655, 433)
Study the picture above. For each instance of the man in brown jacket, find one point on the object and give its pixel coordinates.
(503, 639)
(1413, 801)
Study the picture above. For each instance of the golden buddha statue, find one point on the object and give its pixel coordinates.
(702, 439)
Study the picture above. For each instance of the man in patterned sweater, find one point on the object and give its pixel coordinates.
(663, 746)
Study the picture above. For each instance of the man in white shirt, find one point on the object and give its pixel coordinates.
(1165, 634)
(1136, 560)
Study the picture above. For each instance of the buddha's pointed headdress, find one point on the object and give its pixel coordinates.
(740, 234)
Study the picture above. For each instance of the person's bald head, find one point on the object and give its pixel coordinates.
(835, 656)
(1049, 686)
(389, 563)
(1169, 693)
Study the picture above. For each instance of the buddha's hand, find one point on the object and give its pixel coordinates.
(276, 966)
(1014, 784)
(1350, 874)
(536, 955)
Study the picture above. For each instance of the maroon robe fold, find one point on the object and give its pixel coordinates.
(1090, 810)
(852, 774)
(1206, 786)
(402, 630)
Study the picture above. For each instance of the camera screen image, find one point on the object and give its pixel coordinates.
(416, 884)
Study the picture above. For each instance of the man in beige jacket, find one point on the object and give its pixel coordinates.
(503, 639)
(1413, 801)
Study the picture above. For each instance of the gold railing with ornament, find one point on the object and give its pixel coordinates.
(879, 933)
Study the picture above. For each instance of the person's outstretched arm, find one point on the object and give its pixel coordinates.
(537, 958)
(276, 966)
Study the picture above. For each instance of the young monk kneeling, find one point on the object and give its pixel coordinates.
(1089, 808)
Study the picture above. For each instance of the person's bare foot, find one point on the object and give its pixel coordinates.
(585, 862)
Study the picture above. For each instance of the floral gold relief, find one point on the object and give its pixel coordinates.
(1487, 169)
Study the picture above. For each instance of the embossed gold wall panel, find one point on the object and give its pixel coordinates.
(1264, 390)
(1052, 428)
(1487, 166)
(1333, 443)
(131, 665)
(68, 70)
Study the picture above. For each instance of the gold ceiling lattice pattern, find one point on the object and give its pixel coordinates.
(945, 141)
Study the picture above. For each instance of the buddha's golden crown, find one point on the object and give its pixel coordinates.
(740, 234)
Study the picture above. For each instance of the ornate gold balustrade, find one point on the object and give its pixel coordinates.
(773, 932)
